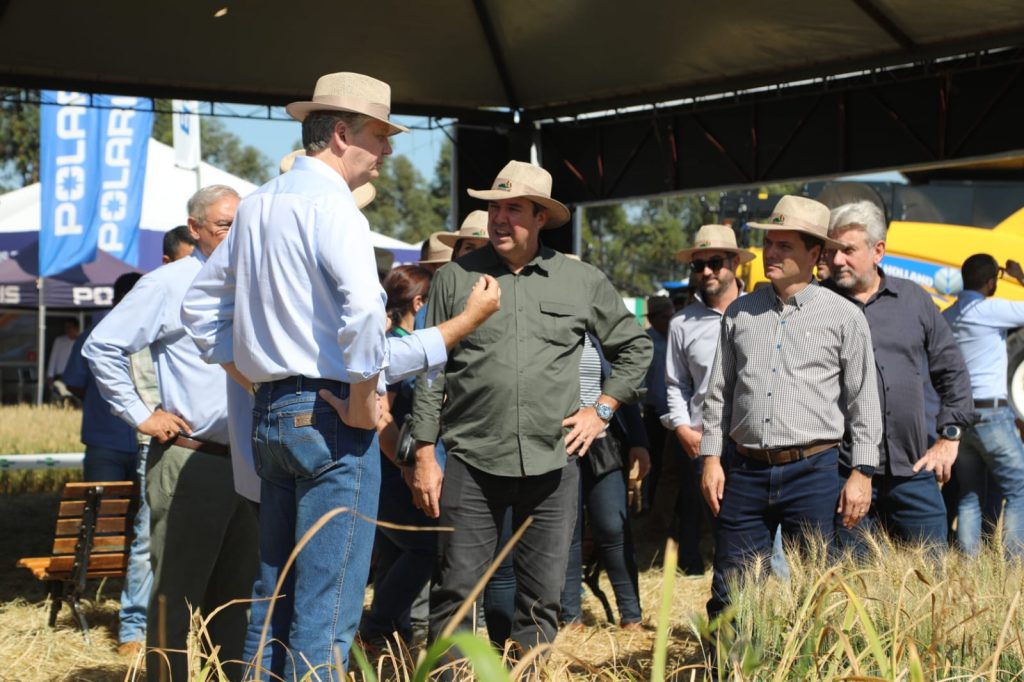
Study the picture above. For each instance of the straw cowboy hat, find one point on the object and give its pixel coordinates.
(437, 251)
(518, 179)
(351, 92)
(714, 238)
(800, 214)
(473, 227)
(363, 195)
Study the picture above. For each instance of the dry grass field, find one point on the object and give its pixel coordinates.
(899, 615)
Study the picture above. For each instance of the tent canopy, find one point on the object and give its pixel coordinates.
(458, 58)
(83, 287)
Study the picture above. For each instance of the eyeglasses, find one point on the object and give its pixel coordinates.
(715, 264)
(1000, 272)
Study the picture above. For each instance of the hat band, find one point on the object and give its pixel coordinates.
(362, 106)
(796, 223)
(505, 185)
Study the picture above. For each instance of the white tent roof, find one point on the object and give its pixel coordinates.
(165, 195)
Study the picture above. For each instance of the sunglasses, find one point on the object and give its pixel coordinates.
(715, 264)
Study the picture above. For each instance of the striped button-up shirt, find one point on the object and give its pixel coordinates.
(794, 373)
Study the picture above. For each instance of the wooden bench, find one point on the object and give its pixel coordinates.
(92, 540)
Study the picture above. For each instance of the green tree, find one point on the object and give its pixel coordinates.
(406, 207)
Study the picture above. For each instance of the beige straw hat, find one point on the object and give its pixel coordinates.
(800, 214)
(714, 238)
(437, 251)
(363, 195)
(352, 92)
(473, 227)
(518, 179)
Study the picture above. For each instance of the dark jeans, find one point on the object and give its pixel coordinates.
(500, 593)
(908, 508)
(474, 503)
(800, 497)
(691, 510)
(604, 498)
(405, 560)
(656, 435)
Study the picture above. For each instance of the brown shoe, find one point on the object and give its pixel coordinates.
(635, 626)
(131, 649)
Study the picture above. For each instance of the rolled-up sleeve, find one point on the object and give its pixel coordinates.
(136, 322)
(209, 306)
(345, 253)
(423, 350)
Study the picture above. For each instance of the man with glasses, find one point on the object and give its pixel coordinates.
(693, 340)
(991, 446)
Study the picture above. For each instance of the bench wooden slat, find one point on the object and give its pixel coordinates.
(97, 562)
(78, 491)
(102, 543)
(105, 525)
(75, 509)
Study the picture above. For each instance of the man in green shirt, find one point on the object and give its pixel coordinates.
(508, 407)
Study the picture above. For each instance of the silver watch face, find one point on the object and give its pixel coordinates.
(952, 432)
(603, 411)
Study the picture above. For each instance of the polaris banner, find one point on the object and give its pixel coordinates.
(92, 162)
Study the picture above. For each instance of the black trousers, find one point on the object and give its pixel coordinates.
(474, 503)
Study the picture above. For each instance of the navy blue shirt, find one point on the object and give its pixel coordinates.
(100, 428)
(913, 345)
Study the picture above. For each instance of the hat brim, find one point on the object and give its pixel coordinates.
(559, 213)
(451, 238)
(792, 228)
(300, 110)
(686, 255)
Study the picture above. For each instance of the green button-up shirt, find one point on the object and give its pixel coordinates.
(507, 386)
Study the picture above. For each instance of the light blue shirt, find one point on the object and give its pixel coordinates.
(243, 469)
(293, 291)
(150, 315)
(980, 325)
(693, 337)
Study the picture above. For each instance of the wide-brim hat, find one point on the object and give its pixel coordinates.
(362, 195)
(518, 179)
(351, 92)
(437, 251)
(800, 214)
(714, 238)
(474, 227)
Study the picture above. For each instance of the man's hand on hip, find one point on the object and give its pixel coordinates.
(164, 426)
(855, 500)
(689, 439)
(939, 459)
(360, 410)
(424, 480)
(712, 483)
(585, 426)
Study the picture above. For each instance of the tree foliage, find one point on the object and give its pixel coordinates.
(407, 207)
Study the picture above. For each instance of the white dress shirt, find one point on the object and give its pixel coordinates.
(293, 291)
(150, 315)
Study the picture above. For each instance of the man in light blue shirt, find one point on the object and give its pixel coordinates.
(291, 304)
(980, 324)
(203, 535)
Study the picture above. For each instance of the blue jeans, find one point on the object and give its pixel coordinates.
(799, 497)
(310, 463)
(604, 498)
(991, 445)
(107, 464)
(138, 579)
(908, 508)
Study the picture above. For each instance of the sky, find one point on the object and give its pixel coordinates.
(275, 138)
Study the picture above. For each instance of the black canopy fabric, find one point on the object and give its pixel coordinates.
(465, 57)
(85, 287)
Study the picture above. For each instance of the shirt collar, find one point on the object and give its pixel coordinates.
(968, 295)
(800, 298)
(315, 165)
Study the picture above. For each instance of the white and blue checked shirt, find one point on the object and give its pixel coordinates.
(792, 374)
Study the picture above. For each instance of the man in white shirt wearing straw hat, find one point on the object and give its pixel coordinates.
(291, 303)
(508, 403)
(794, 371)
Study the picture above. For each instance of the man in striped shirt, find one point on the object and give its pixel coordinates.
(794, 371)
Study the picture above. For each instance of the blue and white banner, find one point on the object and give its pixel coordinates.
(185, 120)
(92, 162)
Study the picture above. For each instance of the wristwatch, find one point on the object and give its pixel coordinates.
(952, 432)
(605, 412)
(865, 469)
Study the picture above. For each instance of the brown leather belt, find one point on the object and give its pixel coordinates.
(785, 455)
(201, 446)
(991, 403)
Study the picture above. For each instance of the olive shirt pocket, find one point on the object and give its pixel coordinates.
(561, 323)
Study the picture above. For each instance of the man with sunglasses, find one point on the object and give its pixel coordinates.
(692, 342)
(980, 324)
